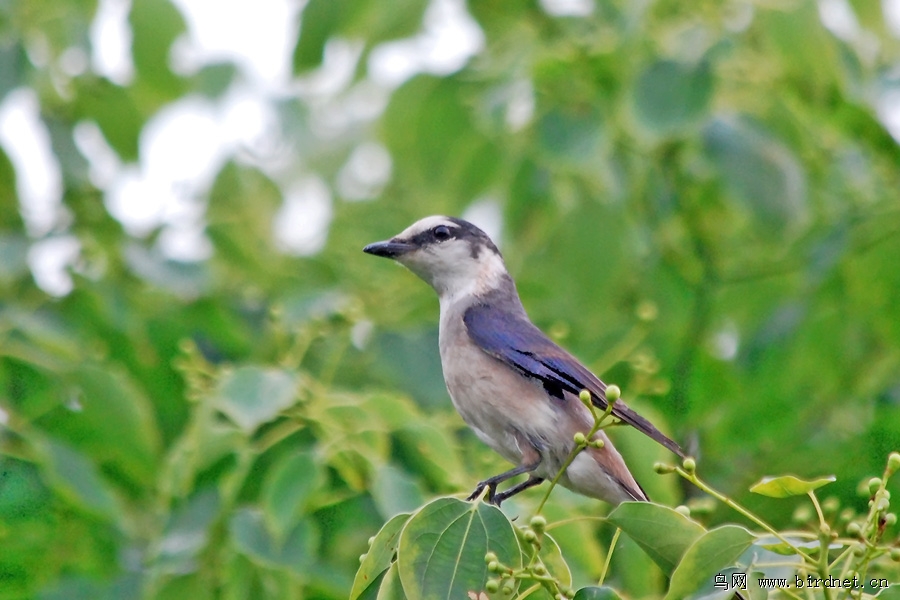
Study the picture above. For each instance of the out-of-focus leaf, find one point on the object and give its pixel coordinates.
(10, 218)
(115, 111)
(13, 66)
(251, 395)
(395, 491)
(251, 537)
(788, 485)
(434, 451)
(13, 257)
(323, 19)
(572, 135)
(669, 95)
(381, 554)
(187, 532)
(712, 552)
(155, 25)
(213, 80)
(187, 280)
(108, 417)
(662, 532)
(763, 173)
(287, 489)
(442, 548)
(242, 231)
(79, 481)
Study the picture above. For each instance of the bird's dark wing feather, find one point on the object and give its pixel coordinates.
(512, 338)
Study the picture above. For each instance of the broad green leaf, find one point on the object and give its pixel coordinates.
(669, 95)
(788, 485)
(380, 556)
(554, 559)
(443, 545)
(597, 593)
(663, 533)
(287, 488)
(251, 395)
(713, 551)
(251, 537)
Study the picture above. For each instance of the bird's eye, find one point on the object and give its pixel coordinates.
(441, 233)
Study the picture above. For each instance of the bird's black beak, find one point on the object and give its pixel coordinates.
(388, 248)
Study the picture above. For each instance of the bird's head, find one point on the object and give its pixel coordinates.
(455, 257)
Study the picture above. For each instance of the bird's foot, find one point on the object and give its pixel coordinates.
(491, 494)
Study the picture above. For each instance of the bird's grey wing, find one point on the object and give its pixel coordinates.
(515, 340)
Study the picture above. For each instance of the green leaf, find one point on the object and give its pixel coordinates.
(251, 396)
(669, 95)
(395, 491)
(761, 172)
(155, 25)
(287, 488)
(713, 551)
(187, 532)
(116, 112)
(788, 485)
(252, 538)
(553, 558)
(78, 480)
(663, 533)
(597, 593)
(571, 135)
(443, 545)
(108, 417)
(381, 555)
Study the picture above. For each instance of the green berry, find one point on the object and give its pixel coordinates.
(613, 393)
(598, 443)
(362, 557)
(508, 589)
(874, 484)
(859, 550)
(580, 439)
(854, 529)
(539, 569)
(371, 539)
(893, 462)
(492, 586)
(530, 536)
(663, 468)
(494, 566)
(490, 557)
(683, 510)
(689, 464)
(890, 519)
(538, 523)
(895, 554)
(585, 397)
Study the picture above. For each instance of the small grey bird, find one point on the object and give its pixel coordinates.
(511, 384)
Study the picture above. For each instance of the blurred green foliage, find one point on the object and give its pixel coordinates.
(699, 199)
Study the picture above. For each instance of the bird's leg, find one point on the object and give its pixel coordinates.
(530, 482)
(492, 482)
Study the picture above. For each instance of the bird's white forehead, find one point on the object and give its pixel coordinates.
(424, 225)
